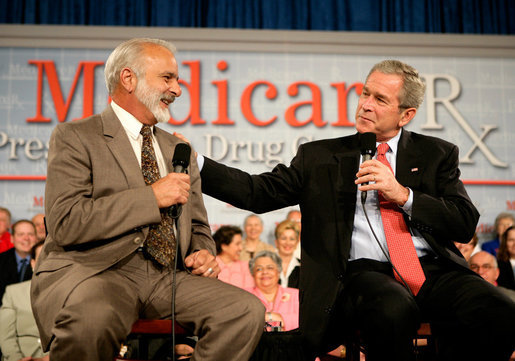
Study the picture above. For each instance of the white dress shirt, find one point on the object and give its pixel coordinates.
(132, 127)
(363, 244)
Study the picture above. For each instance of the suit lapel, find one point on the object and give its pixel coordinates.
(118, 143)
(348, 162)
(410, 162)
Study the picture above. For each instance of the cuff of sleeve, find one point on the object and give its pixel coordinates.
(407, 207)
(200, 161)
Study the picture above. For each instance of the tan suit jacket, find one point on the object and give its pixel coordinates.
(98, 209)
(19, 336)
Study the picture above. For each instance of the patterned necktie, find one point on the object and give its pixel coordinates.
(160, 242)
(23, 268)
(398, 238)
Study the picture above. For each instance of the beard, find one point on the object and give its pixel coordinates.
(152, 100)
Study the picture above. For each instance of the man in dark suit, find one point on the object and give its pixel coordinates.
(347, 282)
(109, 254)
(15, 263)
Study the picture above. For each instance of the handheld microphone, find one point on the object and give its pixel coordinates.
(367, 149)
(180, 162)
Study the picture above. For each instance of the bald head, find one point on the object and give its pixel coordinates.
(484, 264)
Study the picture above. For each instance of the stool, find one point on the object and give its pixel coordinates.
(423, 338)
(144, 330)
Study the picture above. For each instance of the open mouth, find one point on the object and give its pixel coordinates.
(168, 101)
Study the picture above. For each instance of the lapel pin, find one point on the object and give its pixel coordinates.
(414, 169)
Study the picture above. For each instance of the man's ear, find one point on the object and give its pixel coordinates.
(128, 80)
(406, 116)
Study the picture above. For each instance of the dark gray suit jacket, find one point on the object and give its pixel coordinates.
(320, 179)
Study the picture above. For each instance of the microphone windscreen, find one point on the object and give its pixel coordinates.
(181, 156)
(368, 143)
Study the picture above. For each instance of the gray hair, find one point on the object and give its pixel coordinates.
(262, 254)
(413, 88)
(129, 54)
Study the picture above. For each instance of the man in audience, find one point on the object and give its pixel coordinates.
(485, 264)
(19, 335)
(15, 263)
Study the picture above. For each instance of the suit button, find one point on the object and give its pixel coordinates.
(138, 240)
(328, 309)
(340, 277)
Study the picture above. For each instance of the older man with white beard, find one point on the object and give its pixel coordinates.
(109, 255)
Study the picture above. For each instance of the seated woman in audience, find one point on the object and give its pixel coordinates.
(287, 237)
(252, 243)
(19, 336)
(506, 259)
(468, 249)
(228, 249)
(502, 222)
(281, 303)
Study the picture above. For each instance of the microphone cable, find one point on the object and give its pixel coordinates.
(174, 277)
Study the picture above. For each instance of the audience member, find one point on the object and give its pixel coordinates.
(281, 303)
(468, 249)
(295, 216)
(252, 244)
(502, 222)
(5, 224)
(506, 259)
(485, 265)
(19, 336)
(15, 263)
(287, 238)
(39, 223)
(228, 248)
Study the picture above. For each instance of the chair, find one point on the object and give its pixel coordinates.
(425, 348)
(143, 331)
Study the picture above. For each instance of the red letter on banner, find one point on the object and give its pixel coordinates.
(194, 91)
(342, 97)
(316, 103)
(61, 108)
(223, 118)
(246, 107)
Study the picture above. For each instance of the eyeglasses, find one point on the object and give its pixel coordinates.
(476, 267)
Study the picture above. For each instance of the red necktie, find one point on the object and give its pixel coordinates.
(398, 238)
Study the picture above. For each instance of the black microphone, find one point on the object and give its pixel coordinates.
(368, 149)
(180, 162)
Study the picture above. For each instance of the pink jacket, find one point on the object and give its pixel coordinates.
(286, 303)
(235, 273)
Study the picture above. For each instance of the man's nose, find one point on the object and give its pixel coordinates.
(176, 89)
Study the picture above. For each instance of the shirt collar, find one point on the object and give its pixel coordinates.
(131, 125)
(393, 143)
(18, 258)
